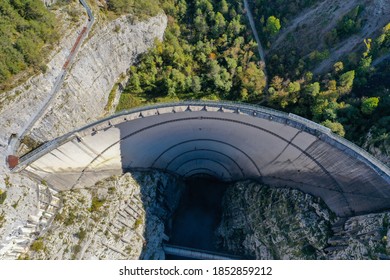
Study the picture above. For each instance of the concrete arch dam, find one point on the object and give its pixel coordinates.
(229, 141)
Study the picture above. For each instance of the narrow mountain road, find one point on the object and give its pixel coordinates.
(59, 80)
(255, 34)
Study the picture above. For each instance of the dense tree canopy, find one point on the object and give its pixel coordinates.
(206, 53)
(26, 27)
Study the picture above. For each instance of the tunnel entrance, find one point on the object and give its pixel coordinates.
(194, 223)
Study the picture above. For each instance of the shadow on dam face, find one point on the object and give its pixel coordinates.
(229, 141)
(199, 213)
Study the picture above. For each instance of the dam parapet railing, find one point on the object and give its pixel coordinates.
(293, 120)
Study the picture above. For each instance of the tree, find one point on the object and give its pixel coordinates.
(253, 79)
(223, 7)
(235, 27)
(369, 105)
(273, 25)
(346, 82)
(294, 87)
(220, 24)
(201, 25)
(134, 84)
(336, 127)
(338, 67)
(196, 86)
(312, 89)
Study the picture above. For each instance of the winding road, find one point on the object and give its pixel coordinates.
(58, 82)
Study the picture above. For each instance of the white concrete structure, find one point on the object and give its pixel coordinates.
(229, 141)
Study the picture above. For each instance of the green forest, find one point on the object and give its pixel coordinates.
(209, 53)
(353, 99)
(26, 28)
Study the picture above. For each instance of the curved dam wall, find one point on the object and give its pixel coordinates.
(229, 141)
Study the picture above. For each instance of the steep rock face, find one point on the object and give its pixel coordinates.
(381, 149)
(99, 64)
(108, 52)
(118, 218)
(114, 53)
(362, 237)
(18, 105)
(269, 223)
(19, 209)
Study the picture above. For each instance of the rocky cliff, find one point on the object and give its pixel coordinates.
(118, 218)
(101, 62)
(270, 223)
(112, 46)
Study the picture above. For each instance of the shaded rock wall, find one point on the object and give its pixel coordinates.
(269, 223)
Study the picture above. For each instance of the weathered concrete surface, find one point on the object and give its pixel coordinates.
(229, 141)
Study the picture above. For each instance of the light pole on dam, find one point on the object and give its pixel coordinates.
(229, 141)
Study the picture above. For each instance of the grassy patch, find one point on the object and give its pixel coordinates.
(15, 205)
(127, 101)
(70, 219)
(7, 182)
(76, 249)
(37, 245)
(2, 219)
(111, 97)
(81, 234)
(138, 223)
(3, 196)
(96, 204)
(30, 142)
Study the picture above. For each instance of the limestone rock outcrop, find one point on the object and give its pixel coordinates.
(112, 47)
(280, 223)
(106, 54)
(99, 64)
(118, 218)
(273, 223)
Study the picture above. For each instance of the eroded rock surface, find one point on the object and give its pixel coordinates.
(280, 223)
(102, 61)
(270, 223)
(118, 218)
